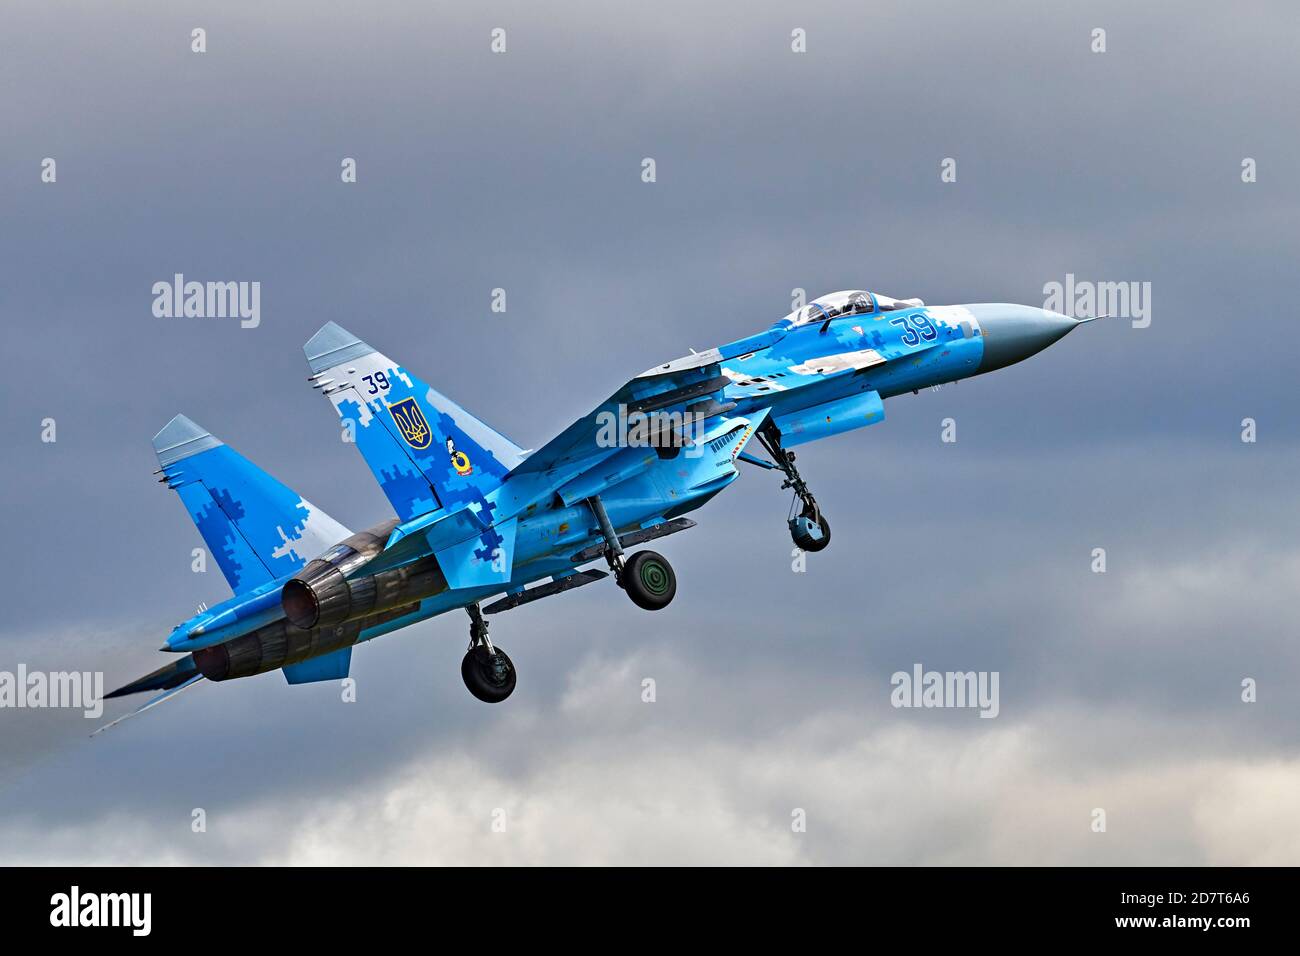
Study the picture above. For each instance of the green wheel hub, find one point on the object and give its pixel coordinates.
(654, 577)
(648, 579)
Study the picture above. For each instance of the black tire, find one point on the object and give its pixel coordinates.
(815, 546)
(481, 678)
(649, 580)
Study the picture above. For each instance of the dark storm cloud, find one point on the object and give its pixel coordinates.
(775, 171)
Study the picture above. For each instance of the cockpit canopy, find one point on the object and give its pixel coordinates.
(849, 302)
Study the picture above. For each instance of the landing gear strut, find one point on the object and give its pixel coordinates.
(809, 529)
(487, 671)
(646, 576)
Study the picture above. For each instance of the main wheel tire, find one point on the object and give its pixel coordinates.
(483, 676)
(649, 580)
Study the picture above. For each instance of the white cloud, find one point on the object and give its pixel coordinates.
(608, 782)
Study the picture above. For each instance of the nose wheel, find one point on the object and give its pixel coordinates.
(809, 529)
(487, 671)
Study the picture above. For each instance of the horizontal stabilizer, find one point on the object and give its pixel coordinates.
(150, 704)
(164, 678)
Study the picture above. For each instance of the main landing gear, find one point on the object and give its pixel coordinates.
(809, 529)
(487, 671)
(646, 576)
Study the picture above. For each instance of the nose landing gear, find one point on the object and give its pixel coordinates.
(809, 529)
(487, 671)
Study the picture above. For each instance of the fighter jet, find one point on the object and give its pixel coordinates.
(480, 519)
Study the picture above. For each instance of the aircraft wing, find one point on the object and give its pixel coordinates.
(696, 389)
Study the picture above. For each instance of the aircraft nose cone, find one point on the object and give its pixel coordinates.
(1012, 333)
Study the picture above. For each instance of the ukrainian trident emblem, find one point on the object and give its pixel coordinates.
(410, 421)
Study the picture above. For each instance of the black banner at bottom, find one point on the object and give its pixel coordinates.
(334, 906)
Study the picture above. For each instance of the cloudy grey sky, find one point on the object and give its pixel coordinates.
(776, 171)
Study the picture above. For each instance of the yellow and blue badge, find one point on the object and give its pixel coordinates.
(411, 422)
(459, 460)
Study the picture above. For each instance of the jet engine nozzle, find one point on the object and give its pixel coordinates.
(320, 596)
(334, 588)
